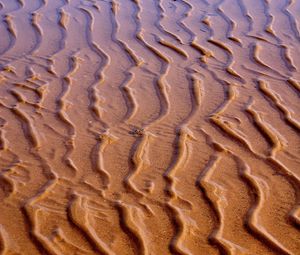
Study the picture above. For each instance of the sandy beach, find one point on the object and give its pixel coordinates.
(150, 127)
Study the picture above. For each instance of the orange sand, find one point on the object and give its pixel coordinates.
(150, 127)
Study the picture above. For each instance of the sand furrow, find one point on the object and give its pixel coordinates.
(182, 155)
(97, 157)
(61, 111)
(160, 81)
(231, 24)
(99, 76)
(294, 84)
(255, 49)
(8, 21)
(14, 27)
(186, 14)
(129, 75)
(277, 143)
(253, 214)
(139, 158)
(128, 224)
(293, 21)
(35, 17)
(214, 195)
(275, 99)
(284, 48)
(176, 245)
(78, 214)
(161, 15)
(246, 14)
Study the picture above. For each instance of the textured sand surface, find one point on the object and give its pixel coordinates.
(150, 127)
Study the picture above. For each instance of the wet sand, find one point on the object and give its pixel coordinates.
(149, 127)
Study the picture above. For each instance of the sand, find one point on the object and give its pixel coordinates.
(149, 127)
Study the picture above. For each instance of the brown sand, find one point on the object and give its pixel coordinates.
(150, 127)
